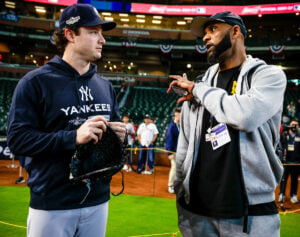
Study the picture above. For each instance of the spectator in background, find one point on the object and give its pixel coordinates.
(130, 140)
(290, 140)
(147, 134)
(123, 87)
(21, 179)
(298, 109)
(291, 109)
(152, 150)
(171, 145)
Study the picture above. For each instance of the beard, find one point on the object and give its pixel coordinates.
(220, 48)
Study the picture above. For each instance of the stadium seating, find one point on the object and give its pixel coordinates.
(140, 101)
(153, 101)
(7, 86)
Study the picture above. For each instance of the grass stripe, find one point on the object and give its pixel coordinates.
(18, 226)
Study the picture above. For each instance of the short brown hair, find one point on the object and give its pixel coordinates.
(177, 110)
(60, 39)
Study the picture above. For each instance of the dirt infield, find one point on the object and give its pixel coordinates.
(135, 184)
(154, 185)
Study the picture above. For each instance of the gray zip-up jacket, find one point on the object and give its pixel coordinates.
(255, 110)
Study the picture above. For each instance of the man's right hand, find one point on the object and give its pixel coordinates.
(91, 130)
(171, 156)
(184, 83)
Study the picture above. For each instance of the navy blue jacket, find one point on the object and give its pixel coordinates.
(48, 105)
(172, 137)
(289, 141)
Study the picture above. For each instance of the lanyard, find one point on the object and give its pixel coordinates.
(211, 117)
(215, 79)
(214, 84)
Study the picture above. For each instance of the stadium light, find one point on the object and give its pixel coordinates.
(188, 18)
(9, 4)
(40, 9)
(156, 21)
(140, 20)
(106, 13)
(108, 18)
(181, 22)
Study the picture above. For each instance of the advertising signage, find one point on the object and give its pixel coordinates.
(146, 8)
(210, 10)
(100, 5)
(55, 2)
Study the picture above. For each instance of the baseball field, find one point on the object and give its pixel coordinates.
(145, 208)
(129, 215)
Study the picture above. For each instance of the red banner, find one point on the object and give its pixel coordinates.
(55, 2)
(210, 10)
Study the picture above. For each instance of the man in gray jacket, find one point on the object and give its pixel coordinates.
(226, 163)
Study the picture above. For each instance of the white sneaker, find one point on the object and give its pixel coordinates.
(129, 169)
(281, 197)
(294, 199)
(146, 172)
(171, 189)
(125, 167)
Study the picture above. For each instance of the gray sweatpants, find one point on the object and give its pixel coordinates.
(83, 222)
(192, 225)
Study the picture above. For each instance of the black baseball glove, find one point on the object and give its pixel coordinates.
(98, 161)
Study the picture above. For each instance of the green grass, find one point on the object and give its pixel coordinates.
(135, 215)
(14, 208)
(129, 215)
(290, 225)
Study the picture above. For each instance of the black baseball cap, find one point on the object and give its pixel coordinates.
(147, 116)
(79, 15)
(199, 23)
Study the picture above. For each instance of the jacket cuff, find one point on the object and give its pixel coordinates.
(196, 91)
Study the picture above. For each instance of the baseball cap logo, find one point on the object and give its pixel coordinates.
(72, 20)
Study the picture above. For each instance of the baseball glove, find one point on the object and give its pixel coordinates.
(98, 161)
